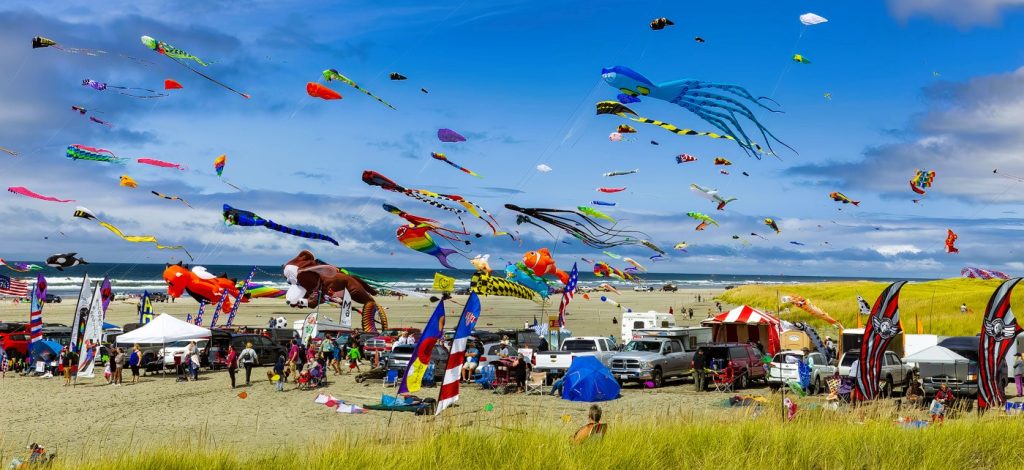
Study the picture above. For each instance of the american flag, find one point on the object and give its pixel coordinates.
(449, 393)
(13, 287)
(570, 289)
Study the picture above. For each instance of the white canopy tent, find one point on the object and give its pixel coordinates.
(164, 329)
(935, 355)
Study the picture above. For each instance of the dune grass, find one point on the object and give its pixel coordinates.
(727, 438)
(936, 304)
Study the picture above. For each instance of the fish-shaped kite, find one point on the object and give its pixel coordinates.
(128, 182)
(771, 223)
(622, 173)
(442, 157)
(801, 59)
(660, 23)
(711, 195)
(602, 203)
(703, 218)
(161, 164)
(595, 213)
(83, 152)
(398, 76)
(64, 260)
(685, 158)
(840, 197)
(416, 237)
(20, 267)
(611, 190)
(722, 161)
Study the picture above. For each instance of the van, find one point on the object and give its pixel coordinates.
(644, 320)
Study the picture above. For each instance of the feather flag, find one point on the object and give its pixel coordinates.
(241, 294)
(882, 326)
(567, 294)
(453, 371)
(420, 358)
(998, 330)
(146, 312)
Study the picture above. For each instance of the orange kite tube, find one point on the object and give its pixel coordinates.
(317, 90)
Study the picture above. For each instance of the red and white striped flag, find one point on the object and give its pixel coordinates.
(570, 290)
(13, 287)
(453, 371)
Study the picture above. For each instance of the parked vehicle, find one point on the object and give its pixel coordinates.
(652, 359)
(15, 339)
(524, 338)
(743, 358)
(783, 369)
(669, 288)
(158, 297)
(399, 359)
(894, 372)
(962, 376)
(53, 299)
(490, 352)
(643, 288)
(266, 350)
(644, 320)
(553, 362)
(851, 338)
(120, 296)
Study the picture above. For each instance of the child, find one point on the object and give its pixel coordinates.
(353, 359)
(279, 370)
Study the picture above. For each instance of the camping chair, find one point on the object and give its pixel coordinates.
(535, 383)
(845, 391)
(724, 380)
(391, 378)
(428, 376)
(486, 378)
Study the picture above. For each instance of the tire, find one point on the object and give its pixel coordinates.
(815, 387)
(13, 354)
(742, 381)
(657, 378)
(887, 388)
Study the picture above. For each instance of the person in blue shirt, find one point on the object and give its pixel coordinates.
(279, 371)
(472, 360)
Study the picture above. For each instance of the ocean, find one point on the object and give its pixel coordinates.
(136, 278)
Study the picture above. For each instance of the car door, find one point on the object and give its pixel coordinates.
(676, 358)
(265, 350)
(895, 367)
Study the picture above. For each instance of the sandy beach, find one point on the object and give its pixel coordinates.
(158, 410)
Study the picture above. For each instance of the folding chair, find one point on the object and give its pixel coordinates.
(501, 374)
(535, 383)
(391, 378)
(723, 381)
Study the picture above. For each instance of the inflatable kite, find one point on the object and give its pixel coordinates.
(162, 164)
(711, 195)
(29, 193)
(20, 267)
(986, 274)
(244, 218)
(521, 274)
(635, 264)
(801, 59)
(771, 223)
(180, 57)
(660, 23)
(595, 213)
(626, 129)
(307, 275)
(332, 74)
(9, 152)
(602, 269)
(684, 158)
(610, 190)
(82, 152)
(398, 76)
(124, 90)
(622, 173)
(86, 214)
(703, 218)
(951, 241)
(171, 198)
(807, 306)
(200, 284)
(922, 179)
(485, 284)
(722, 161)
(128, 182)
(373, 178)
(579, 225)
(840, 197)
(317, 90)
(619, 109)
(448, 135)
(541, 264)
(811, 19)
(416, 237)
(611, 255)
(39, 42)
(442, 157)
(480, 263)
(715, 103)
(626, 99)
(602, 203)
(172, 85)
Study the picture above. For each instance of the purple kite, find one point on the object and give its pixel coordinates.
(448, 135)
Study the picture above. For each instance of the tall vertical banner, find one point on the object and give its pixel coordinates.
(310, 327)
(449, 393)
(567, 294)
(241, 294)
(92, 334)
(346, 310)
(106, 295)
(998, 330)
(882, 326)
(35, 316)
(220, 305)
(420, 358)
(81, 314)
(146, 313)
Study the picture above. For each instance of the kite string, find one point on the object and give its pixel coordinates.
(789, 64)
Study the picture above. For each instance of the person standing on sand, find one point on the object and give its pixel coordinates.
(294, 357)
(691, 313)
(353, 359)
(119, 360)
(232, 363)
(65, 362)
(248, 358)
(279, 367)
(133, 361)
(699, 370)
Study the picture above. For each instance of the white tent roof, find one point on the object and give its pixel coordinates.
(935, 354)
(164, 329)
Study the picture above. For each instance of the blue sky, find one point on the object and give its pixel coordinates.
(930, 84)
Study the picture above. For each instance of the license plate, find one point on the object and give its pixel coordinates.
(623, 376)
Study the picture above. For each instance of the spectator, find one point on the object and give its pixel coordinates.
(134, 361)
(915, 395)
(279, 371)
(556, 386)
(1018, 372)
(963, 308)
(232, 363)
(943, 398)
(472, 359)
(691, 312)
(354, 356)
(543, 346)
(700, 370)
(294, 357)
(248, 358)
(403, 338)
(518, 371)
(193, 360)
(593, 428)
(336, 357)
(65, 362)
(118, 370)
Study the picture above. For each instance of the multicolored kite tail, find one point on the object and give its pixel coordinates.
(616, 108)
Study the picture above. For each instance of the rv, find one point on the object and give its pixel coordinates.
(851, 338)
(644, 320)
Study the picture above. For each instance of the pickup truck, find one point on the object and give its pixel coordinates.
(894, 372)
(653, 359)
(553, 362)
(783, 369)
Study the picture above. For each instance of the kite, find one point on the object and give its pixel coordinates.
(80, 109)
(20, 267)
(398, 76)
(951, 241)
(520, 274)
(602, 269)
(652, 246)
(541, 264)
(635, 264)
(615, 137)
(595, 213)
(986, 274)
(758, 236)
(416, 238)
(922, 179)
(661, 23)
(41, 42)
(448, 135)
(9, 152)
(480, 263)
(723, 172)
(610, 190)
(484, 284)
(801, 59)
(656, 258)
(711, 195)
(424, 90)
(180, 57)
(840, 197)
(622, 173)
(442, 157)
(100, 121)
(244, 218)
(626, 129)
(681, 246)
(373, 178)
(703, 218)
(127, 181)
(626, 99)
(171, 198)
(218, 164)
(619, 109)
(576, 224)
(172, 85)
(86, 214)
(317, 90)
(684, 158)
(162, 164)
(332, 74)
(64, 260)
(101, 86)
(608, 288)
(543, 168)
(611, 255)
(797, 243)
(655, 142)
(716, 108)
(722, 161)
(82, 152)
(771, 223)
(434, 226)
(699, 39)
(29, 193)
(811, 19)
(827, 96)
(745, 173)
(602, 203)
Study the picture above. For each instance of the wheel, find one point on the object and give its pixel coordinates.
(13, 354)
(887, 387)
(657, 379)
(816, 386)
(742, 381)
(774, 387)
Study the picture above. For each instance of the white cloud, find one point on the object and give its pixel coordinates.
(893, 250)
(963, 13)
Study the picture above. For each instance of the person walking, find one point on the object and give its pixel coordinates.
(1018, 372)
(327, 351)
(279, 368)
(248, 358)
(353, 359)
(232, 363)
(119, 360)
(690, 312)
(193, 359)
(700, 375)
(134, 360)
(294, 357)
(64, 358)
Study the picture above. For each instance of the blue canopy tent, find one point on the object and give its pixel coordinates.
(41, 348)
(588, 380)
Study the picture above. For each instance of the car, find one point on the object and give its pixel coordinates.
(524, 338)
(642, 288)
(743, 358)
(120, 296)
(669, 288)
(399, 359)
(158, 297)
(553, 362)
(52, 299)
(653, 359)
(783, 369)
(266, 350)
(15, 339)
(894, 373)
(178, 348)
(491, 352)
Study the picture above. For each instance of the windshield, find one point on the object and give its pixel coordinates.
(182, 344)
(787, 358)
(579, 345)
(403, 349)
(646, 346)
(849, 358)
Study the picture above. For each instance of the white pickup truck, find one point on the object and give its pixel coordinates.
(553, 362)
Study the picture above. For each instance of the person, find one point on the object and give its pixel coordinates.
(232, 363)
(336, 357)
(193, 359)
(943, 398)
(279, 371)
(403, 337)
(700, 374)
(354, 356)
(963, 307)
(248, 358)
(543, 346)
(690, 311)
(670, 312)
(593, 428)
(718, 306)
(472, 359)
(1018, 372)
(326, 349)
(134, 361)
(558, 384)
(854, 371)
(294, 356)
(519, 371)
(65, 362)
(503, 348)
(915, 394)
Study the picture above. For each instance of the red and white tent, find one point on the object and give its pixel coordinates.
(745, 324)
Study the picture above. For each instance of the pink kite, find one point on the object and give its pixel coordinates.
(610, 190)
(26, 192)
(161, 164)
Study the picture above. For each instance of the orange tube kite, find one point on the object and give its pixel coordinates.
(317, 90)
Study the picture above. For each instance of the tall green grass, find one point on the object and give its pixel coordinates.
(727, 438)
(935, 303)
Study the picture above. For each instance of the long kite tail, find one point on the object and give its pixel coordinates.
(675, 130)
(270, 224)
(357, 87)
(201, 74)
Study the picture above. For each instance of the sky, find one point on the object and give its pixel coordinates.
(914, 84)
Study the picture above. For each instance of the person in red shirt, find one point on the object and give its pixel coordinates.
(943, 398)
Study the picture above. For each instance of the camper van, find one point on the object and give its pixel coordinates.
(851, 338)
(644, 320)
